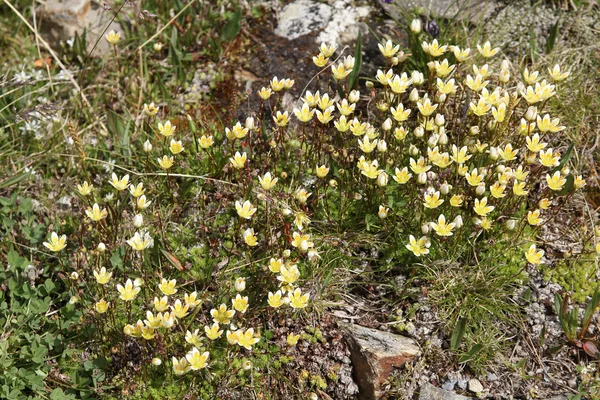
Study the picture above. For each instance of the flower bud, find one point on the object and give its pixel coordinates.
(445, 188)
(504, 75)
(440, 119)
(101, 247)
(565, 171)
(422, 178)
(156, 361)
(474, 130)
(357, 196)
(425, 229)
(501, 168)
(138, 220)
(414, 95)
(458, 221)
(250, 123)
(417, 78)
(480, 190)
(333, 183)
(286, 253)
(511, 224)
(504, 64)
(443, 138)
(157, 46)
(369, 85)
(431, 175)
(138, 282)
(491, 125)
(147, 146)
(387, 125)
(74, 275)
(433, 140)
(240, 284)
(415, 26)
(395, 61)
(419, 131)
(440, 97)
(413, 150)
(73, 300)
(383, 212)
(247, 365)
(494, 153)
(531, 114)
(382, 179)
(381, 146)
(354, 96)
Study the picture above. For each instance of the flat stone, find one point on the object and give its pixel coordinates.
(345, 24)
(375, 354)
(475, 11)
(475, 386)
(430, 392)
(60, 20)
(302, 17)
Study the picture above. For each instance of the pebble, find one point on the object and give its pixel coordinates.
(449, 385)
(492, 377)
(475, 386)
(462, 384)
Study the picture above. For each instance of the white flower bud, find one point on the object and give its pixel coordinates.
(433, 140)
(156, 361)
(382, 179)
(240, 284)
(417, 78)
(520, 87)
(286, 253)
(387, 125)
(504, 75)
(413, 150)
(261, 196)
(422, 178)
(494, 153)
(157, 46)
(74, 275)
(474, 130)
(419, 131)
(480, 190)
(565, 171)
(440, 97)
(369, 85)
(101, 247)
(531, 114)
(250, 123)
(443, 138)
(147, 146)
(395, 61)
(381, 146)
(73, 300)
(425, 228)
(458, 221)
(445, 188)
(138, 220)
(431, 175)
(414, 95)
(415, 26)
(286, 211)
(354, 96)
(440, 119)
(491, 125)
(247, 365)
(138, 282)
(501, 168)
(504, 64)
(511, 224)
(383, 212)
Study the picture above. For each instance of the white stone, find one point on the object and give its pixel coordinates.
(344, 26)
(302, 17)
(475, 386)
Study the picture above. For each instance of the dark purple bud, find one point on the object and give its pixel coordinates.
(432, 28)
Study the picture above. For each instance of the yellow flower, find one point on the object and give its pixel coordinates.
(497, 190)
(460, 156)
(301, 219)
(240, 303)
(325, 102)
(418, 247)
(166, 129)
(281, 119)
(206, 141)
(102, 277)
(119, 184)
(474, 178)
(113, 37)
(519, 189)
(193, 338)
(85, 189)
(237, 132)
(275, 265)
(277, 85)
(456, 200)
(534, 256)
(399, 84)
(147, 332)
(481, 207)
(128, 292)
(366, 145)
(265, 93)
(168, 320)
(530, 78)
(150, 109)
(476, 84)
(312, 99)
(442, 228)
(139, 241)
(275, 300)
(327, 50)
(388, 49)
(557, 75)
(297, 299)
(245, 210)
(418, 167)
(345, 108)
(153, 321)
(481, 108)
(531, 96)
(165, 162)
(432, 200)
(222, 315)
(301, 195)
(433, 48)
(534, 144)
(142, 203)
(486, 50)
(443, 69)
(447, 87)
(342, 124)
(213, 332)
(247, 339)
(533, 217)
(250, 237)
(426, 108)
(544, 204)
(239, 160)
(181, 366)
(292, 339)
(402, 175)
(508, 154)
(191, 299)
(546, 124)
(179, 310)
(340, 71)
(56, 244)
(320, 60)
(460, 55)
(399, 113)
(325, 117)
(549, 158)
(137, 191)
(266, 181)
(232, 337)
(101, 306)
(485, 223)
(197, 361)
(499, 113)
(161, 305)
(167, 287)
(322, 171)
(579, 183)
(302, 242)
(289, 275)
(176, 147)
(95, 214)
(556, 181)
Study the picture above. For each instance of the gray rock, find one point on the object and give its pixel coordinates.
(462, 384)
(492, 377)
(475, 386)
(60, 20)
(449, 385)
(302, 17)
(430, 392)
(475, 11)
(374, 355)
(345, 23)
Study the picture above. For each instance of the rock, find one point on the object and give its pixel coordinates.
(345, 24)
(462, 384)
(475, 386)
(375, 354)
(492, 377)
(60, 20)
(302, 17)
(430, 392)
(474, 11)
(449, 385)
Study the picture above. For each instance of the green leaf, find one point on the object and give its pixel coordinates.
(232, 27)
(564, 159)
(353, 79)
(552, 37)
(471, 354)
(458, 333)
